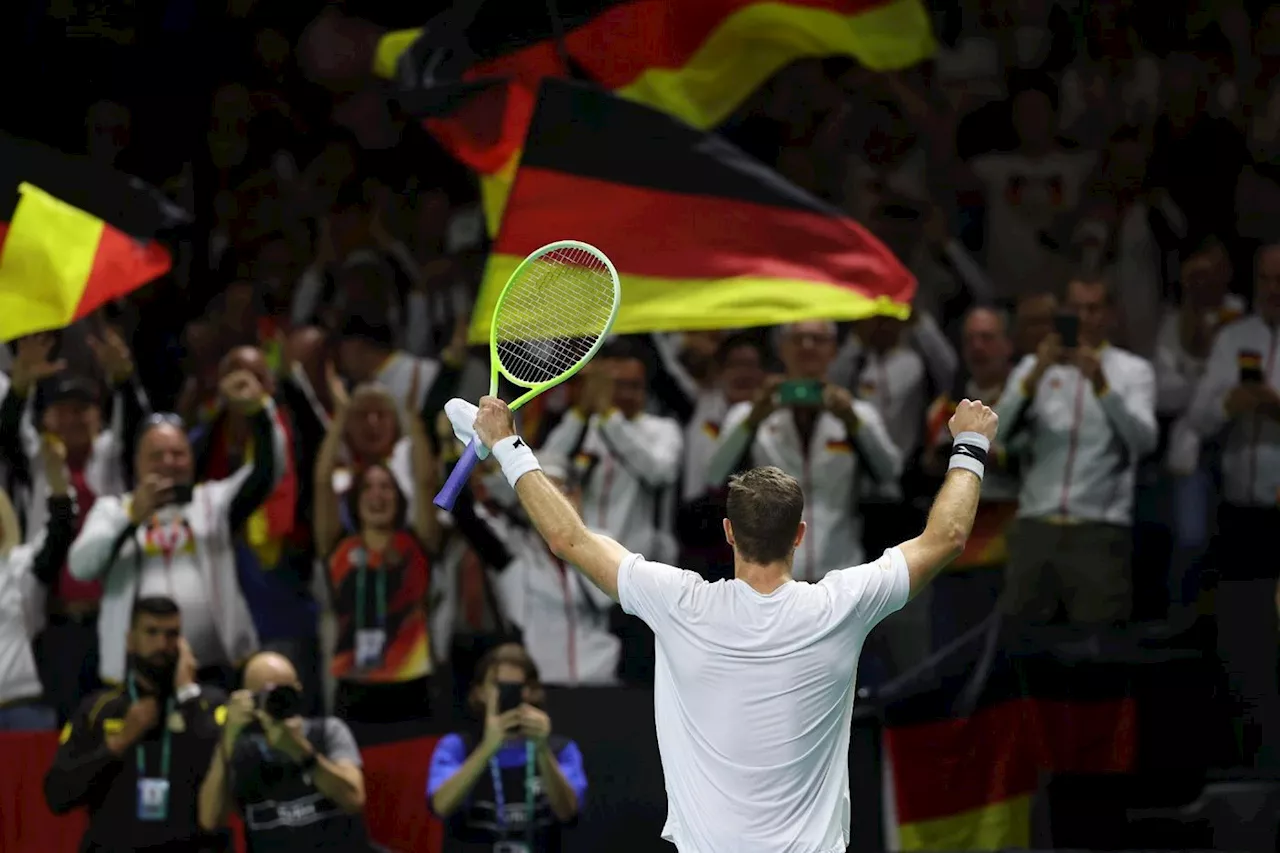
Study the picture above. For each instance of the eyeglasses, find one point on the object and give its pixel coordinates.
(164, 419)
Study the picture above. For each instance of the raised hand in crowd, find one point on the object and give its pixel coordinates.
(1089, 361)
(534, 724)
(337, 392)
(53, 455)
(184, 673)
(1048, 353)
(143, 716)
(1252, 398)
(113, 355)
(326, 521)
(32, 364)
(243, 392)
(595, 395)
(766, 402)
(426, 472)
(499, 727)
(241, 711)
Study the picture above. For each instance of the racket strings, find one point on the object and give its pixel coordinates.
(554, 314)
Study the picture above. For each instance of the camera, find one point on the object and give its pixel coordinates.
(279, 702)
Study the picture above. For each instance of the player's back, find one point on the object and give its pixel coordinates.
(753, 698)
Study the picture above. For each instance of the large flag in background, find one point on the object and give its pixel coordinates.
(967, 751)
(703, 236)
(475, 69)
(73, 236)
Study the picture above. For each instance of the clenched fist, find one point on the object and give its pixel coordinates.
(494, 421)
(973, 416)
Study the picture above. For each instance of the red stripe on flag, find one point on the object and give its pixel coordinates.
(948, 767)
(681, 236)
(121, 265)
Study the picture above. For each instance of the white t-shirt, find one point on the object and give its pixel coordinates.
(753, 700)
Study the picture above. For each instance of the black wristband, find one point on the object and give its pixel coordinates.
(973, 451)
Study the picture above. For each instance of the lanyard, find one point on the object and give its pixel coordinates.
(380, 592)
(166, 741)
(500, 795)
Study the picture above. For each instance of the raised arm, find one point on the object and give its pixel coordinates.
(951, 518)
(326, 516)
(555, 519)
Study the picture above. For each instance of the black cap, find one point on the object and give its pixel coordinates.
(72, 388)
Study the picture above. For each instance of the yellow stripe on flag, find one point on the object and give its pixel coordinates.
(45, 264)
(673, 305)
(754, 43)
(998, 826)
(389, 50)
(494, 190)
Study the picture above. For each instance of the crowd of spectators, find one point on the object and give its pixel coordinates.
(1086, 191)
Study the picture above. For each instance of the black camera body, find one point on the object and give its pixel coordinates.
(279, 702)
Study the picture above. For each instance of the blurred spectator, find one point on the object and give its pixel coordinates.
(1027, 190)
(26, 573)
(1237, 401)
(1115, 82)
(379, 577)
(819, 434)
(507, 783)
(628, 464)
(735, 375)
(1033, 322)
(295, 781)
(1089, 410)
(97, 464)
(133, 755)
(170, 538)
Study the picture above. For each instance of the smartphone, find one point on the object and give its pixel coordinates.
(510, 695)
(1068, 328)
(1250, 364)
(800, 393)
(179, 495)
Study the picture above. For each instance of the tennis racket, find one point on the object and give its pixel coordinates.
(550, 319)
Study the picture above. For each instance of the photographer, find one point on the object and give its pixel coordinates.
(296, 782)
(511, 786)
(133, 755)
(1088, 409)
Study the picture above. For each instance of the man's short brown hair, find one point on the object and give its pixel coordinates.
(765, 507)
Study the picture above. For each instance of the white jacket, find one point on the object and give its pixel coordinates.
(22, 606)
(1251, 455)
(633, 462)
(1084, 450)
(828, 471)
(214, 554)
(701, 436)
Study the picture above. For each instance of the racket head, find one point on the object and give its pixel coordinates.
(552, 317)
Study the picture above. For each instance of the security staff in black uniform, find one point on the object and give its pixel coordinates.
(134, 755)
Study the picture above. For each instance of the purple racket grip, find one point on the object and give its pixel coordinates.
(448, 495)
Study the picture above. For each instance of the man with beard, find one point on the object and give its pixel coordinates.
(134, 755)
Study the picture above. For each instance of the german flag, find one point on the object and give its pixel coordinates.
(474, 71)
(702, 235)
(962, 778)
(73, 236)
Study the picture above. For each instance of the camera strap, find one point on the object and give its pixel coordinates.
(500, 794)
(166, 740)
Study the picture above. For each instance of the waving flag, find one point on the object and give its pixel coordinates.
(702, 235)
(475, 70)
(73, 236)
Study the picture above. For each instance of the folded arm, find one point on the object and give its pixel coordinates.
(1131, 411)
(99, 541)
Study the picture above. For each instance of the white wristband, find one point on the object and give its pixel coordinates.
(969, 452)
(515, 457)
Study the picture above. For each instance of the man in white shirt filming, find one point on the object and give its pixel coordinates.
(755, 676)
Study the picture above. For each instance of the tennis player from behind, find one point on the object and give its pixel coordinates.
(755, 676)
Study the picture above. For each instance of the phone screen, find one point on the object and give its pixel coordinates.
(510, 695)
(801, 393)
(1068, 328)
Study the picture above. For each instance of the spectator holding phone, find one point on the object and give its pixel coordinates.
(1088, 412)
(508, 785)
(818, 433)
(172, 539)
(1237, 404)
(297, 783)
